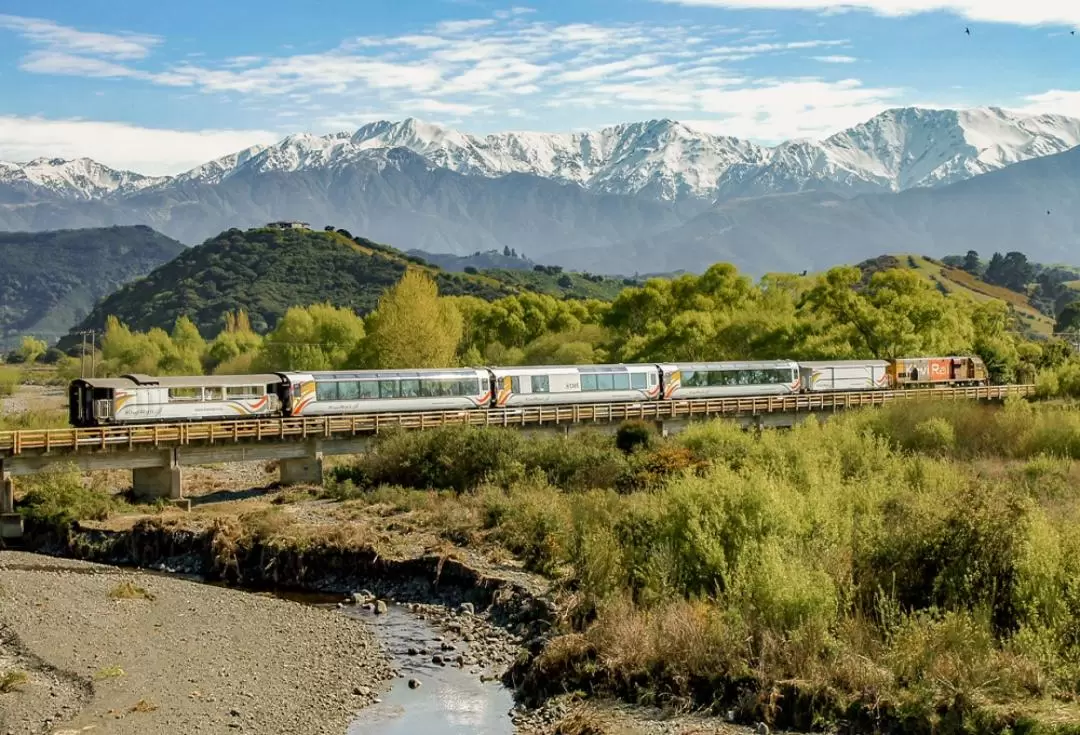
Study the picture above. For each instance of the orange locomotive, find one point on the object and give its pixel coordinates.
(928, 371)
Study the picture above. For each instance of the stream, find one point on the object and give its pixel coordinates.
(450, 699)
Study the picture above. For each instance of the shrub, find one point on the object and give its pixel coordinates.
(633, 435)
(14, 680)
(57, 498)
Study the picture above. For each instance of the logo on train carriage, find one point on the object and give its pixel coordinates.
(482, 400)
(249, 408)
(303, 394)
(673, 384)
(505, 391)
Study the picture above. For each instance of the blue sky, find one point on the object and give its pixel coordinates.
(159, 88)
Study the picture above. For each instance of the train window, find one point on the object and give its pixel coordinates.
(652, 379)
(326, 391)
(605, 381)
(588, 382)
(429, 388)
(515, 385)
(622, 381)
(388, 389)
(185, 394)
(213, 394)
(541, 384)
(689, 378)
(368, 389)
(637, 381)
(244, 391)
(348, 390)
(470, 387)
(410, 388)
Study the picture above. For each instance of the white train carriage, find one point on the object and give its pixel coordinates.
(828, 376)
(565, 384)
(686, 380)
(386, 391)
(142, 399)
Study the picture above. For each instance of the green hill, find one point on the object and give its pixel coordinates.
(51, 280)
(265, 271)
(952, 280)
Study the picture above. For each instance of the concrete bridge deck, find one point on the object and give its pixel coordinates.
(156, 452)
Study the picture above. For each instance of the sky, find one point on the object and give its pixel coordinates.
(161, 87)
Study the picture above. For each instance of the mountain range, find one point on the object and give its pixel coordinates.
(637, 197)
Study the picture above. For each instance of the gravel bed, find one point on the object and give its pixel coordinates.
(194, 658)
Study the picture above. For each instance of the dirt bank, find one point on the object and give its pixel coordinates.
(182, 658)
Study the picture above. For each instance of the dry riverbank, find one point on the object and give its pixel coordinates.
(99, 653)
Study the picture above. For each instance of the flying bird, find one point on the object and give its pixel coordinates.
(967, 31)
(1048, 211)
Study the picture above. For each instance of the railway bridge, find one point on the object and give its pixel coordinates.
(157, 453)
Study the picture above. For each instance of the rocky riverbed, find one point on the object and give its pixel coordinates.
(115, 651)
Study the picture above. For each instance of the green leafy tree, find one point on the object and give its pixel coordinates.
(1069, 318)
(897, 313)
(31, 350)
(238, 340)
(318, 337)
(413, 327)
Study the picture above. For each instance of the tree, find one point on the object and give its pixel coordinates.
(1069, 318)
(898, 313)
(1013, 271)
(317, 337)
(972, 264)
(506, 251)
(413, 326)
(237, 339)
(31, 350)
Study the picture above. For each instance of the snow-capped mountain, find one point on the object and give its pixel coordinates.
(667, 160)
(661, 159)
(78, 179)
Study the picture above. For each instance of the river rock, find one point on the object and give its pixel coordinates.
(380, 608)
(414, 683)
(466, 608)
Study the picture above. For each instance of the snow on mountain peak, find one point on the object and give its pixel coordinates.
(898, 149)
(79, 178)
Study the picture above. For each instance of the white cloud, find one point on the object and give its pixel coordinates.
(1033, 12)
(56, 36)
(1054, 101)
(154, 151)
(835, 59)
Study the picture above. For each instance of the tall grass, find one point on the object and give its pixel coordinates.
(9, 380)
(918, 563)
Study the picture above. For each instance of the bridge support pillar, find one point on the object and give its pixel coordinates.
(303, 470)
(158, 483)
(11, 525)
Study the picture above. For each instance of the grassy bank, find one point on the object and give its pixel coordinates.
(915, 567)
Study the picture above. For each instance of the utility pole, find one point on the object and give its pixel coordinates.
(92, 333)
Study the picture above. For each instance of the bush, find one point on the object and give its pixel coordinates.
(633, 435)
(57, 498)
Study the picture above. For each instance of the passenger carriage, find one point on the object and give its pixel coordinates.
(144, 399)
(686, 380)
(567, 384)
(386, 391)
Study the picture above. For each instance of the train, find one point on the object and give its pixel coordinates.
(138, 398)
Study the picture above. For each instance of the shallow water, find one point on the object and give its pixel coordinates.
(450, 700)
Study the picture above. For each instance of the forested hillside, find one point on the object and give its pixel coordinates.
(51, 280)
(265, 271)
